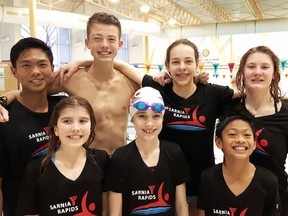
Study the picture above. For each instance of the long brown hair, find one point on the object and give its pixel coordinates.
(72, 101)
(274, 86)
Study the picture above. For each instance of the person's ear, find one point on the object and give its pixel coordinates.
(132, 120)
(87, 43)
(56, 131)
(197, 64)
(167, 68)
(13, 71)
(254, 145)
(218, 142)
(120, 44)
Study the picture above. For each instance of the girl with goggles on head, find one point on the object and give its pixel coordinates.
(148, 166)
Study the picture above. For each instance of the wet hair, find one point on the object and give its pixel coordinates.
(178, 42)
(274, 86)
(28, 43)
(103, 18)
(223, 122)
(71, 102)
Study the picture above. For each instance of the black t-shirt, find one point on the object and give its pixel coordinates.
(271, 143)
(51, 193)
(146, 190)
(23, 138)
(260, 198)
(191, 122)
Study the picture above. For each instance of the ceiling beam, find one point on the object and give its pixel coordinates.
(255, 9)
(125, 8)
(169, 9)
(161, 10)
(213, 9)
(57, 2)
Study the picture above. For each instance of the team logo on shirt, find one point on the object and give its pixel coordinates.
(261, 144)
(71, 206)
(160, 204)
(230, 212)
(189, 122)
(40, 137)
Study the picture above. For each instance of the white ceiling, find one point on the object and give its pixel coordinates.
(185, 12)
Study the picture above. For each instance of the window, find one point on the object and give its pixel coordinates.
(57, 38)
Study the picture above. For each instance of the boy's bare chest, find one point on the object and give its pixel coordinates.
(113, 97)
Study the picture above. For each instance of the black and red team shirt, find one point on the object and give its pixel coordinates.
(271, 144)
(50, 193)
(23, 138)
(191, 122)
(146, 190)
(260, 198)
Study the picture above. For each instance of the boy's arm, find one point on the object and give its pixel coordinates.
(67, 70)
(9, 96)
(6, 99)
(130, 71)
(201, 78)
(181, 206)
(162, 78)
(105, 210)
(201, 212)
(115, 203)
(4, 115)
(56, 86)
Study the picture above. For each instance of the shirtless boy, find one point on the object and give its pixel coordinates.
(106, 89)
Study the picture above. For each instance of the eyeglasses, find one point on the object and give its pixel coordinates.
(142, 106)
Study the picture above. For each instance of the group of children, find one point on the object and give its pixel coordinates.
(151, 175)
(148, 175)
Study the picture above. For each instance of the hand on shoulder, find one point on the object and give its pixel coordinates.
(66, 71)
(201, 78)
(162, 78)
(4, 116)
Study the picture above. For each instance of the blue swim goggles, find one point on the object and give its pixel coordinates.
(142, 106)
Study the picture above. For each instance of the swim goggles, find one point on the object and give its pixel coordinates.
(142, 106)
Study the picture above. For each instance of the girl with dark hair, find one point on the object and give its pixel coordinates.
(70, 178)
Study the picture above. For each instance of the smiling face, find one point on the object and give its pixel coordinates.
(262, 66)
(258, 72)
(33, 70)
(103, 41)
(148, 124)
(237, 140)
(73, 126)
(182, 65)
